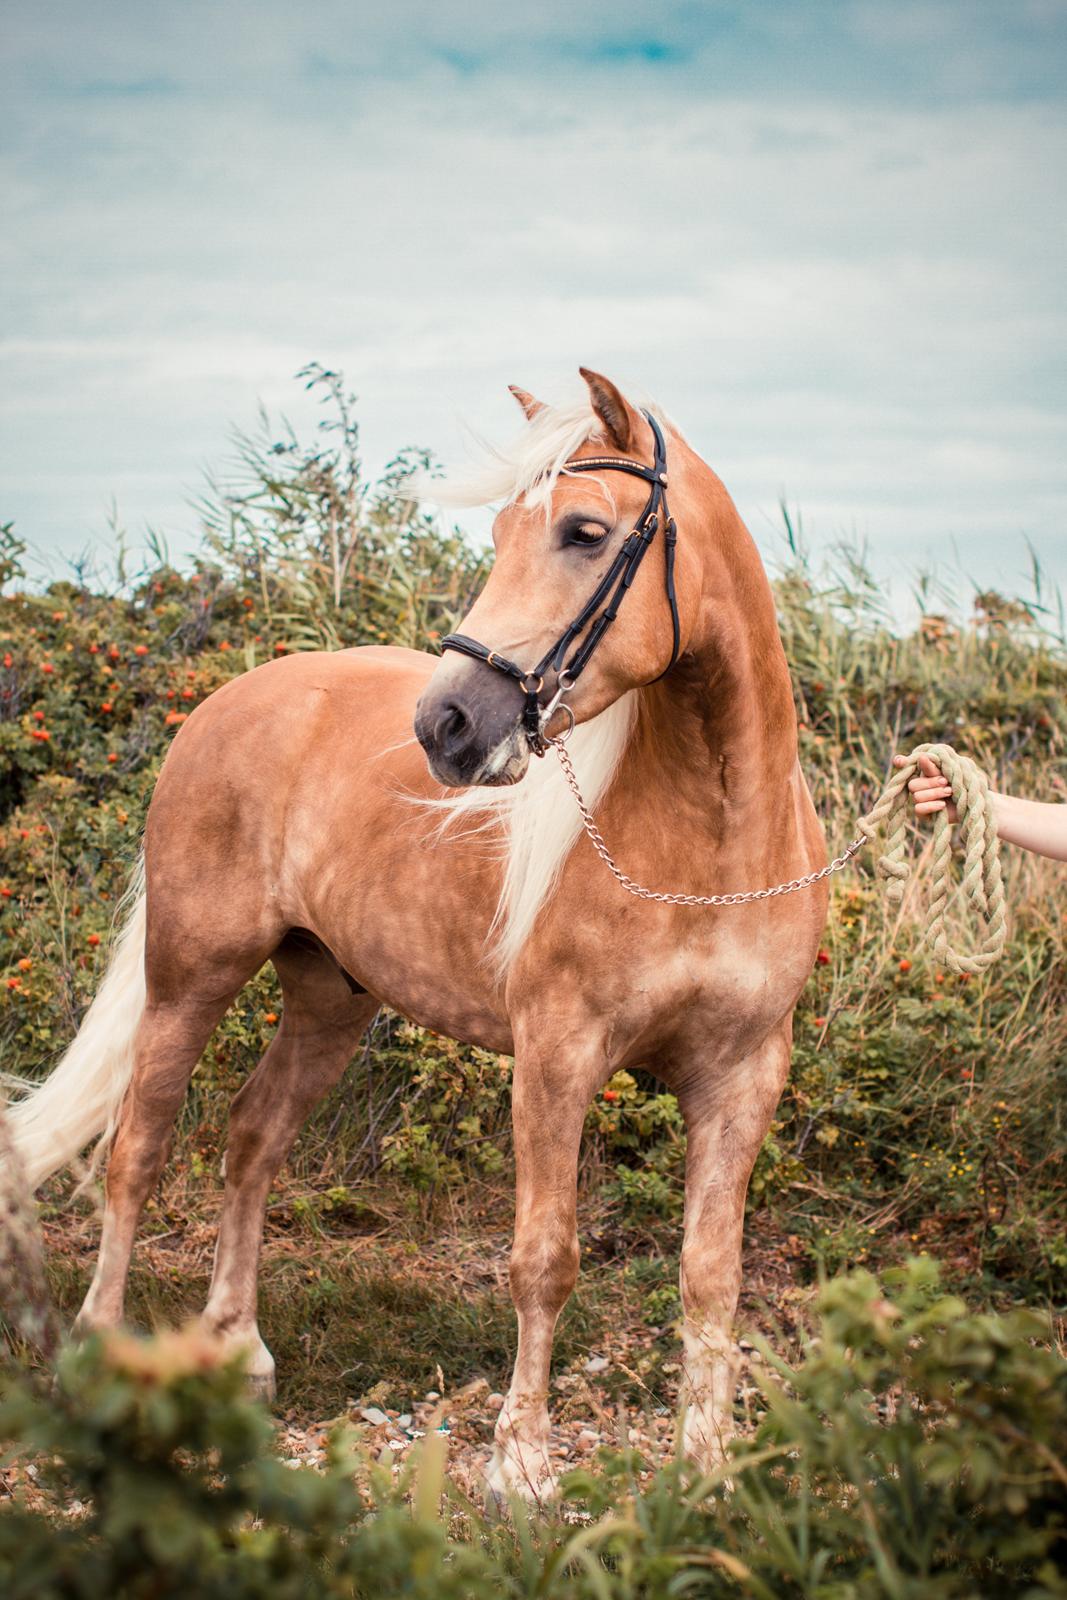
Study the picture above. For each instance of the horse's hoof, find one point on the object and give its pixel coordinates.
(261, 1386)
(519, 1476)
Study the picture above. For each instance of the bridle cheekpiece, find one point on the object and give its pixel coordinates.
(609, 593)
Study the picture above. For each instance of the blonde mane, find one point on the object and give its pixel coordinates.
(537, 822)
(537, 819)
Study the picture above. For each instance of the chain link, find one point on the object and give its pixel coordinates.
(744, 898)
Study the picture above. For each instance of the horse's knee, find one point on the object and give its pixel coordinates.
(543, 1269)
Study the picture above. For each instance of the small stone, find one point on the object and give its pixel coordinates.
(373, 1415)
(404, 1421)
(433, 1394)
(597, 1364)
(587, 1439)
(494, 1401)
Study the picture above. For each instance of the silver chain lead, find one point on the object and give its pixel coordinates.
(596, 839)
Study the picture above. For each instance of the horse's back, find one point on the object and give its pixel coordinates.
(366, 694)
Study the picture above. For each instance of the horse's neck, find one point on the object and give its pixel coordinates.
(716, 739)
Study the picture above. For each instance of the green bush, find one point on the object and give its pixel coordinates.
(915, 1453)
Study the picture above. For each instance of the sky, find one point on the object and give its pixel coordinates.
(828, 236)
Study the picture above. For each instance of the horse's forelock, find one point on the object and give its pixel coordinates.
(529, 465)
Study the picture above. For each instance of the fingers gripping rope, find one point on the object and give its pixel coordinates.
(981, 880)
(981, 866)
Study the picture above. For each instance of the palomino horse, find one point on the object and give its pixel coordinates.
(295, 822)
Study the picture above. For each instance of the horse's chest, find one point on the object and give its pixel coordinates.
(660, 988)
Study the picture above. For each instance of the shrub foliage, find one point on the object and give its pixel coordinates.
(915, 1452)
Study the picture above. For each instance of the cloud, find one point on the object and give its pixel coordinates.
(851, 297)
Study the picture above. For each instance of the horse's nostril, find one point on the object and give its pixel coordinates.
(453, 728)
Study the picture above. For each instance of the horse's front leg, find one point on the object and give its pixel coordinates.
(727, 1118)
(551, 1091)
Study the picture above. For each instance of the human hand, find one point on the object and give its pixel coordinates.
(931, 792)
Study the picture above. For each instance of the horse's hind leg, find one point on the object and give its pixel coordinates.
(178, 1020)
(322, 1021)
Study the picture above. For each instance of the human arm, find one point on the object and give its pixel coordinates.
(1036, 825)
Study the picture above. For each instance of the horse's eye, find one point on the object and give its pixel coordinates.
(585, 533)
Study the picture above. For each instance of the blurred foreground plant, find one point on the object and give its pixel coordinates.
(915, 1452)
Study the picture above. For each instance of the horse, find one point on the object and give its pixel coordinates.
(298, 821)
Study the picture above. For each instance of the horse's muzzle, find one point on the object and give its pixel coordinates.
(468, 723)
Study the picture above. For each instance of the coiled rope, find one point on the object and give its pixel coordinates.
(981, 880)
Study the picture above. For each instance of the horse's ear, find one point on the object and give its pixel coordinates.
(529, 405)
(611, 408)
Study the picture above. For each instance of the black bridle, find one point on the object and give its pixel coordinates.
(611, 588)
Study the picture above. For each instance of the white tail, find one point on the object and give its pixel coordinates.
(81, 1097)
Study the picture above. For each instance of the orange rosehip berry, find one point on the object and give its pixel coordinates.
(9, 660)
(25, 965)
(93, 939)
(5, 892)
(611, 1095)
(107, 706)
(47, 668)
(271, 1016)
(14, 983)
(94, 649)
(905, 965)
(823, 958)
(280, 649)
(140, 649)
(112, 758)
(820, 1022)
(38, 716)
